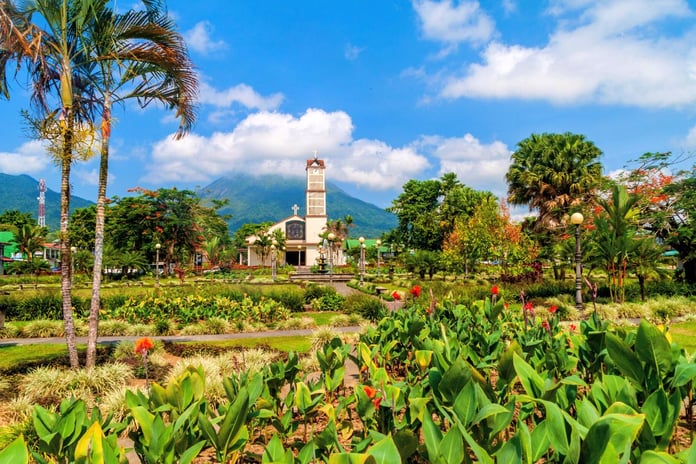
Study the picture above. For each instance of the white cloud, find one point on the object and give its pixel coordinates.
(91, 177)
(199, 39)
(454, 23)
(609, 52)
(352, 52)
(480, 166)
(689, 142)
(271, 142)
(242, 94)
(30, 157)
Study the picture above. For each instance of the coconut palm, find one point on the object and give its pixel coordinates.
(553, 172)
(29, 239)
(137, 55)
(45, 37)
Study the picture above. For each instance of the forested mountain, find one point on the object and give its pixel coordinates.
(271, 197)
(22, 192)
(251, 200)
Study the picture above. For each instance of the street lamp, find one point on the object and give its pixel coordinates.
(157, 249)
(378, 243)
(273, 262)
(362, 260)
(331, 238)
(577, 219)
(72, 265)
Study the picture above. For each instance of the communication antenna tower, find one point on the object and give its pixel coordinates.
(42, 203)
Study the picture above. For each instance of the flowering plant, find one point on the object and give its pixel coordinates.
(142, 347)
(415, 291)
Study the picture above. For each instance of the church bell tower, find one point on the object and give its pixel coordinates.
(315, 219)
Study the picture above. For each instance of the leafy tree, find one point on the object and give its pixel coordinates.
(647, 261)
(247, 230)
(552, 173)
(46, 38)
(682, 236)
(613, 238)
(14, 219)
(417, 212)
(29, 239)
(428, 210)
(137, 55)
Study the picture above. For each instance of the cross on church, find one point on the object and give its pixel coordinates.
(295, 209)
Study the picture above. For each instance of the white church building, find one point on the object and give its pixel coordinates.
(303, 242)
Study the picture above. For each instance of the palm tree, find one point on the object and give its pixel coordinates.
(29, 239)
(139, 55)
(647, 261)
(46, 37)
(553, 172)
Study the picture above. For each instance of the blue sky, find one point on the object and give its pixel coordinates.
(392, 90)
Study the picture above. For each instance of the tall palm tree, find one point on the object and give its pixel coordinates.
(45, 36)
(553, 172)
(138, 55)
(29, 239)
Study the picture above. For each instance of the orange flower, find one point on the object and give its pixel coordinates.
(370, 391)
(143, 345)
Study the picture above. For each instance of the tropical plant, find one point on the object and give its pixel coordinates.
(46, 37)
(139, 55)
(551, 173)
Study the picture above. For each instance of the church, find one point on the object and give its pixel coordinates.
(303, 244)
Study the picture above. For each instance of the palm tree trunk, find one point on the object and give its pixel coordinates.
(65, 252)
(94, 307)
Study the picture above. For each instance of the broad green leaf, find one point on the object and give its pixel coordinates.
(657, 457)
(454, 380)
(432, 436)
(351, 458)
(610, 438)
(556, 427)
(452, 446)
(529, 378)
(624, 358)
(657, 413)
(683, 374)
(385, 452)
(90, 448)
(15, 453)
(653, 348)
(465, 405)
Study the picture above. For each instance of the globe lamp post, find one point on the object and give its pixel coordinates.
(576, 219)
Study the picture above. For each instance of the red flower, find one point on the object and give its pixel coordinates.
(370, 391)
(553, 309)
(572, 327)
(545, 324)
(376, 402)
(143, 345)
(396, 295)
(494, 290)
(415, 291)
(506, 305)
(528, 306)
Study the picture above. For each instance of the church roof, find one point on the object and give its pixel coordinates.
(315, 162)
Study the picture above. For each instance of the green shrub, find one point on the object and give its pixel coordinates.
(366, 306)
(314, 291)
(292, 298)
(329, 302)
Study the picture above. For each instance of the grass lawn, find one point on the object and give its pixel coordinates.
(320, 317)
(683, 334)
(297, 344)
(12, 356)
